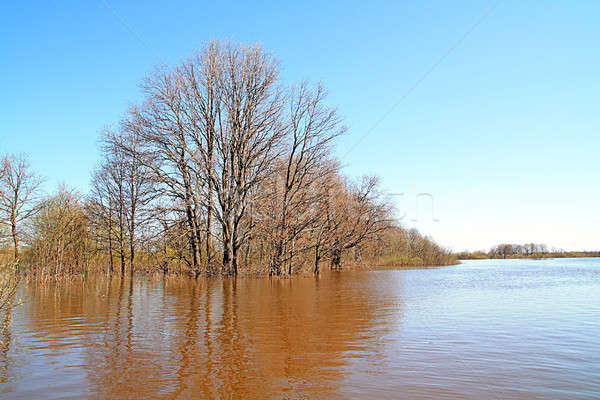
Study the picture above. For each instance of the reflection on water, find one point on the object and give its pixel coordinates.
(484, 329)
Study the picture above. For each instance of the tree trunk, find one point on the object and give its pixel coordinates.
(209, 205)
(192, 220)
(230, 246)
(195, 249)
(227, 250)
(110, 242)
(122, 252)
(317, 259)
(131, 257)
(132, 224)
(15, 237)
(199, 235)
(234, 259)
(276, 262)
(291, 259)
(336, 257)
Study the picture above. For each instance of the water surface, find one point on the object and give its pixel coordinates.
(510, 329)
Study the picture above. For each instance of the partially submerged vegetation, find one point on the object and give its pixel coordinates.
(9, 280)
(529, 250)
(220, 170)
(400, 248)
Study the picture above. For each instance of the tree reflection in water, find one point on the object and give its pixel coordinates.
(177, 337)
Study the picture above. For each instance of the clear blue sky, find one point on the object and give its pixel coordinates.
(504, 133)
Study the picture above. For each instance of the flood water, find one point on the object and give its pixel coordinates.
(510, 329)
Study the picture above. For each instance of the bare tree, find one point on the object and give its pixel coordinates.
(201, 76)
(112, 175)
(60, 232)
(325, 222)
(100, 212)
(165, 149)
(132, 178)
(18, 188)
(213, 125)
(247, 140)
(228, 106)
(311, 128)
(358, 216)
(121, 192)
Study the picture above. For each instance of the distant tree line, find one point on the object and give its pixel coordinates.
(221, 169)
(528, 250)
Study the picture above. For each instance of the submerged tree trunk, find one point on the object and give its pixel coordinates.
(110, 242)
(132, 205)
(121, 233)
(194, 245)
(317, 259)
(227, 257)
(122, 252)
(190, 211)
(209, 203)
(234, 259)
(276, 263)
(336, 257)
(291, 257)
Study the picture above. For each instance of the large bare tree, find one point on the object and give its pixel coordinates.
(247, 141)
(213, 126)
(200, 78)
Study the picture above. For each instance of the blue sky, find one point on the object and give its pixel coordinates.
(504, 133)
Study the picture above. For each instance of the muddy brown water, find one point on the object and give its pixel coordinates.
(506, 329)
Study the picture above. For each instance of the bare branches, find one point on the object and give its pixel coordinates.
(121, 193)
(220, 168)
(18, 189)
(221, 138)
(60, 233)
(311, 127)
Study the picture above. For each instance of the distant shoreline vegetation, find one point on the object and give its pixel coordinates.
(528, 250)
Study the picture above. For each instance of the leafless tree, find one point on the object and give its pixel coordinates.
(121, 192)
(18, 189)
(248, 139)
(165, 150)
(60, 233)
(359, 215)
(100, 212)
(200, 78)
(310, 130)
(135, 191)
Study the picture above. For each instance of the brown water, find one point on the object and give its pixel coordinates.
(481, 330)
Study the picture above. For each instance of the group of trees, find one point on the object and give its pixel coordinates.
(528, 250)
(505, 250)
(220, 169)
(408, 247)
